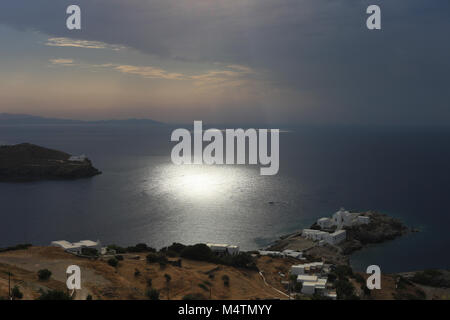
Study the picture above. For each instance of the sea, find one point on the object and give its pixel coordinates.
(142, 197)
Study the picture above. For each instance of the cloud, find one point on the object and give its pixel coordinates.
(149, 72)
(221, 77)
(67, 42)
(321, 49)
(64, 62)
(228, 76)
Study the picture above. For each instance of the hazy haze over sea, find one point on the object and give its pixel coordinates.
(142, 197)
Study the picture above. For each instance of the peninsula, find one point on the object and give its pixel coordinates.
(29, 162)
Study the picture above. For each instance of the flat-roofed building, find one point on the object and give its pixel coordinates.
(77, 247)
(223, 248)
(336, 237)
(315, 235)
(309, 288)
(306, 278)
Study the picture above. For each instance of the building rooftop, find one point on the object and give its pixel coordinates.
(306, 278)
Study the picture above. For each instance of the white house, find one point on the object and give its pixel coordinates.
(325, 223)
(301, 269)
(292, 254)
(298, 269)
(223, 248)
(77, 247)
(270, 253)
(79, 158)
(302, 278)
(308, 288)
(311, 284)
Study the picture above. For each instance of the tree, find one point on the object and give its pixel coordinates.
(54, 295)
(91, 252)
(16, 294)
(194, 296)
(200, 252)
(44, 274)
(113, 262)
(168, 278)
(156, 257)
(152, 294)
(298, 287)
(226, 280)
(344, 289)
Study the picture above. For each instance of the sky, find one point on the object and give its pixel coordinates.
(228, 61)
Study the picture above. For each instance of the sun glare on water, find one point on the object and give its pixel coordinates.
(201, 182)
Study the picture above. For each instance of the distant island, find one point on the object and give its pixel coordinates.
(25, 119)
(28, 162)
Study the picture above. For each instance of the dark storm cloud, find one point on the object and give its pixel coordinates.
(321, 47)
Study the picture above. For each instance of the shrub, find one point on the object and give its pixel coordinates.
(176, 247)
(89, 297)
(44, 274)
(298, 287)
(317, 296)
(119, 257)
(54, 295)
(113, 262)
(433, 278)
(343, 271)
(226, 280)
(16, 294)
(200, 252)
(152, 294)
(141, 247)
(149, 282)
(241, 260)
(91, 252)
(16, 247)
(171, 254)
(117, 248)
(366, 290)
(176, 263)
(359, 278)
(194, 296)
(156, 257)
(344, 289)
(201, 285)
(137, 273)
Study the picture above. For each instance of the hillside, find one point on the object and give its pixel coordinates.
(103, 281)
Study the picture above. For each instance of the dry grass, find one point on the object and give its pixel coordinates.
(106, 282)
